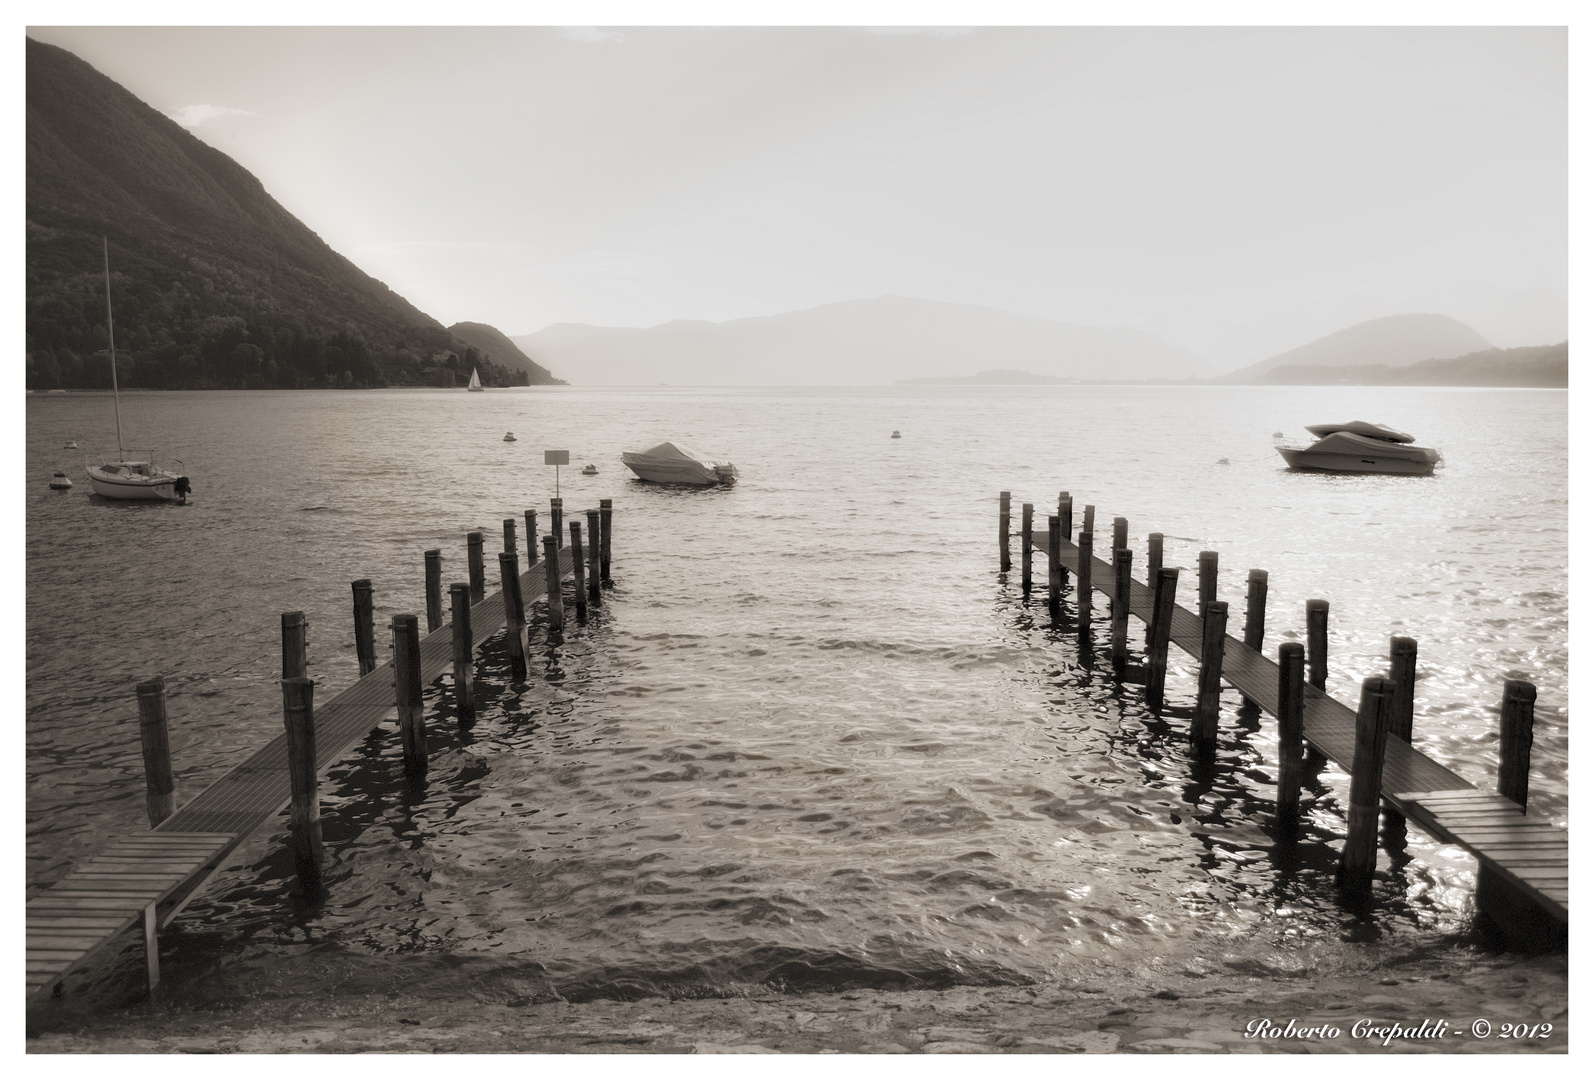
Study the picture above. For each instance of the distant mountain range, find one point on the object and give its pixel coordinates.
(214, 283)
(853, 342)
(1393, 341)
(495, 348)
(1532, 365)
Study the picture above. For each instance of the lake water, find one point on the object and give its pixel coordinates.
(813, 738)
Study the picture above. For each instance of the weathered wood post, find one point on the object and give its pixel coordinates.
(1054, 564)
(364, 628)
(304, 812)
(556, 600)
(606, 512)
(1027, 540)
(295, 654)
(509, 534)
(1120, 533)
(1255, 608)
(1121, 560)
(1153, 569)
(1209, 683)
(1292, 689)
(1206, 581)
(407, 693)
(514, 613)
(578, 565)
(556, 508)
(1087, 524)
(1160, 631)
(1065, 517)
(1083, 598)
(594, 567)
(478, 570)
(1403, 674)
(160, 799)
(1359, 858)
(434, 589)
(464, 652)
(1004, 515)
(531, 538)
(1516, 739)
(1317, 643)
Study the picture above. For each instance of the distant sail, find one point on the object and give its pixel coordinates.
(475, 382)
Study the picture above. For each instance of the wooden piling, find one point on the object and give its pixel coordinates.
(160, 799)
(1160, 631)
(1065, 517)
(594, 568)
(509, 534)
(556, 601)
(1206, 580)
(1087, 524)
(1255, 608)
(1004, 515)
(514, 613)
(556, 508)
(364, 627)
(1403, 674)
(407, 693)
(1026, 543)
(478, 570)
(434, 589)
(1209, 683)
(606, 512)
(1359, 859)
(531, 538)
(464, 652)
(1516, 739)
(1153, 556)
(1291, 717)
(1120, 533)
(1317, 643)
(1054, 562)
(1083, 600)
(295, 658)
(578, 560)
(304, 808)
(1121, 559)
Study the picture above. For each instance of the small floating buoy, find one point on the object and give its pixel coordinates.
(59, 482)
(71, 444)
(590, 470)
(509, 436)
(896, 434)
(1223, 461)
(1278, 434)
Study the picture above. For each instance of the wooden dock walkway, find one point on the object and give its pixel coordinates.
(1528, 852)
(154, 874)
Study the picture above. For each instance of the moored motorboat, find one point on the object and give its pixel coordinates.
(1361, 447)
(676, 463)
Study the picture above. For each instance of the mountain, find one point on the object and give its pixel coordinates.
(1532, 365)
(495, 348)
(1393, 340)
(214, 283)
(853, 342)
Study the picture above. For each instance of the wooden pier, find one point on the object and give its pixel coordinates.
(148, 877)
(1523, 859)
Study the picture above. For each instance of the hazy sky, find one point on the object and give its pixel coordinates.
(1235, 191)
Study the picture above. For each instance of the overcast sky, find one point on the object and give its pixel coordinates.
(1235, 191)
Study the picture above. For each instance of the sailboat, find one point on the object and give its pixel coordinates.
(475, 386)
(129, 476)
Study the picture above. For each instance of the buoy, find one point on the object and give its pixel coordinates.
(59, 482)
(590, 470)
(896, 434)
(71, 445)
(1223, 461)
(1278, 434)
(509, 436)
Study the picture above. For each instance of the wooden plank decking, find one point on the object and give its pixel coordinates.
(159, 871)
(1528, 852)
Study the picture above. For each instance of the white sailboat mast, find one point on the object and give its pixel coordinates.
(110, 332)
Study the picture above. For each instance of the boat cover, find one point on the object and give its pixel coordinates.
(1362, 427)
(668, 451)
(1351, 444)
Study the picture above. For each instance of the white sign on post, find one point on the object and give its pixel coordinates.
(556, 458)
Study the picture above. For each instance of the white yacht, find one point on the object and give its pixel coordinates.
(1360, 447)
(676, 463)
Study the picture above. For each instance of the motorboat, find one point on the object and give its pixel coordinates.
(509, 436)
(475, 386)
(128, 476)
(60, 482)
(590, 470)
(1360, 447)
(677, 463)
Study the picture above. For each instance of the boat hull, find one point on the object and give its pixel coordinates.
(134, 489)
(1317, 461)
(684, 472)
